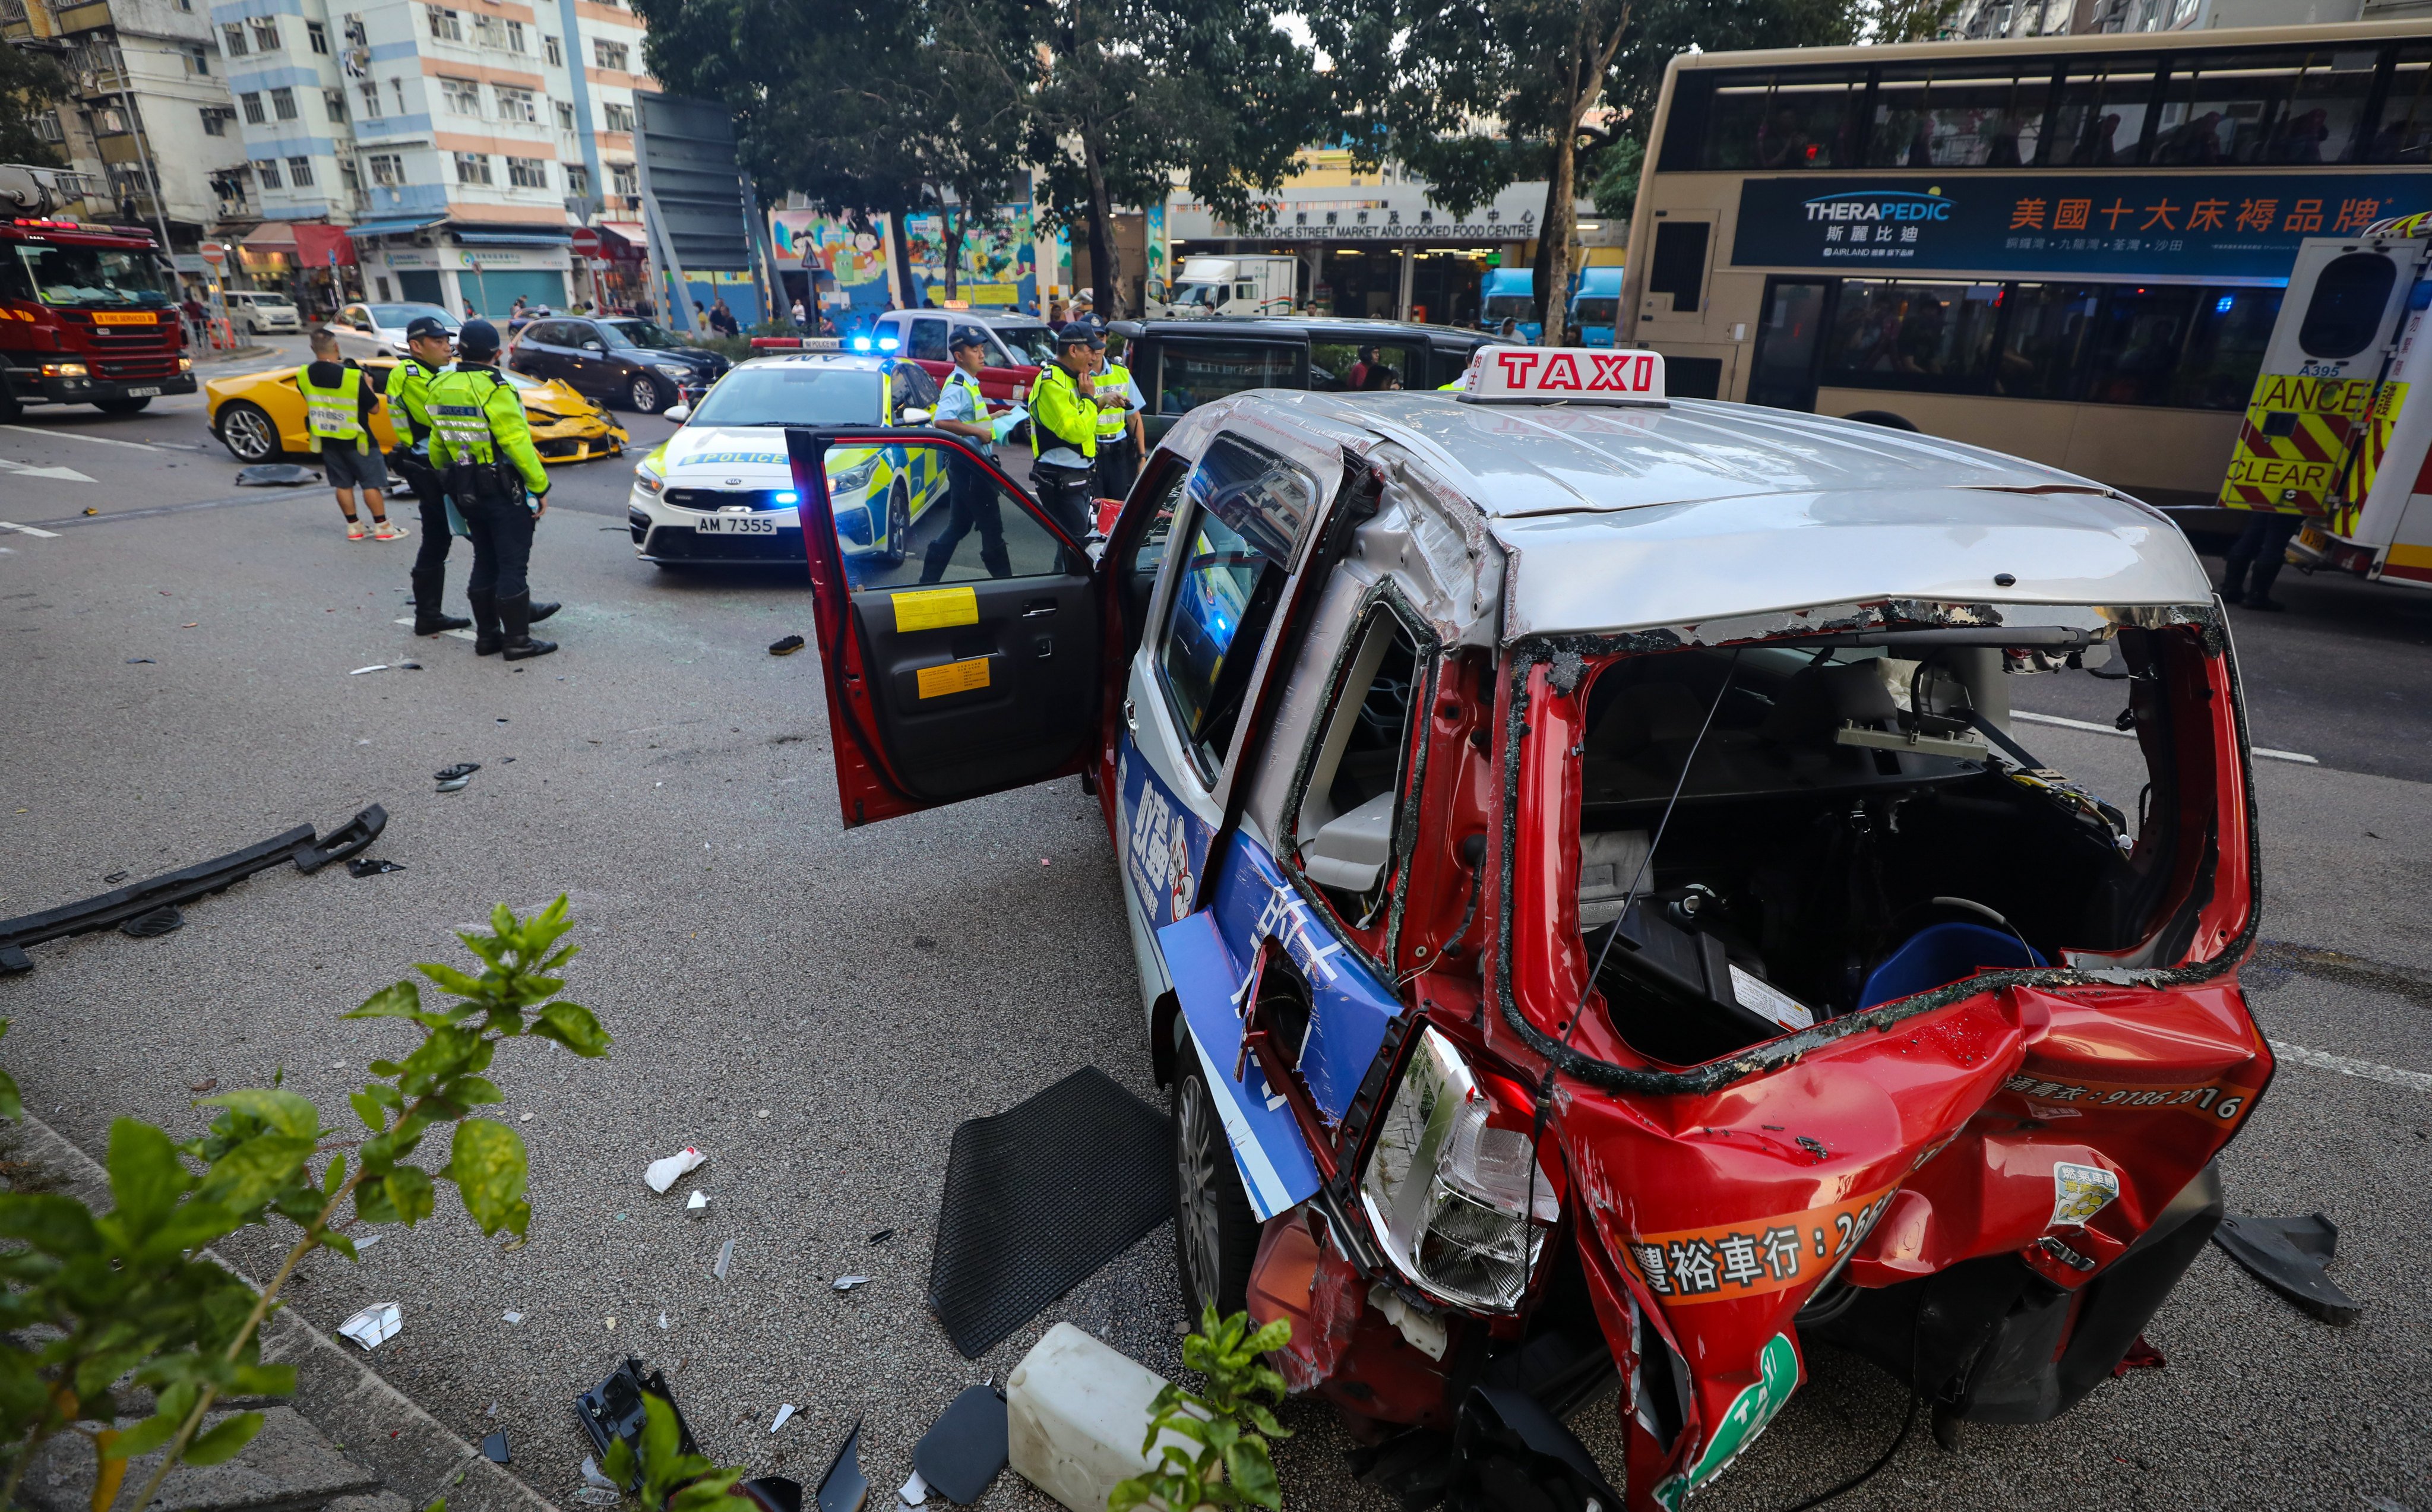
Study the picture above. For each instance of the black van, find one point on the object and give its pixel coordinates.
(1181, 364)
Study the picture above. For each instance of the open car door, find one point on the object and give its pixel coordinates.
(957, 626)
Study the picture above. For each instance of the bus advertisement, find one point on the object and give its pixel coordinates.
(2073, 250)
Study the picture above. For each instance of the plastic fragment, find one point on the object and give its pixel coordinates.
(914, 1491)
(454, 785)
(844, 1487)
(495, 1447)
(207, 1085)
(787, 647)
(725, 1260)
(663, 1319)
(591, 1475)
(882, 1236)
(375, 1325)
(597, 1496)
(783, 1413)
(273, 474)
(115, 878)
(697, 1203)
(847, 1283)
(366, 866)
(449, 773)
(141, 661)
(513, 1316)
(366, 1242)
(376, 666)
(662, 1173)
(493, 1412)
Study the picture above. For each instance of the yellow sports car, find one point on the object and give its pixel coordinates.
(258, 416)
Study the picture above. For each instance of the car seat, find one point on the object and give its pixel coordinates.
(1942, 953)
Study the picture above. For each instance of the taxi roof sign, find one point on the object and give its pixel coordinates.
(1575, 375)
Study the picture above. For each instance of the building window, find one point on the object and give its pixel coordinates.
(233, 41)
(609, 55)
(300, 171)
(318, 36)
(472, 168)
(396, 87)
(265, 34)
(514, 36)
(336, 102)
(282, 102)
(565, 115)
(578, 180)
(252, 104)
(215, 120)
(517, 105)
(445, 24)
(370, 92)
(462, 95)
(266, 169)
(354, 180)
(624, 179)
(620, 117)
(528, 173)
(200, 60)
(554, 53)
(488, 31)
(388, 169)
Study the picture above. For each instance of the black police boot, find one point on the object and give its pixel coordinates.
(487, 637)
(543, 608)
(516, 612)
(428, 620)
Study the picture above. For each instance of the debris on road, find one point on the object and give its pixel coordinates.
(844, 1487)
(273, 474)
(454, 785)
(882, 1236)
(699, 1202)
(115, 878)
(913, 1492)
(495, 1446)
(376, 666)
(375, 1325)
(774, 1493)
(591, 1477)
(662, 1173)
(612, 1410)
(450, 774)
(130, 903)
(663, 1321)
(1076, 1412)
(141, 661)
(364, 866)
(153, 925)
(784, 1412)
(366, 1242)
(787, 647)
(209, 1084)
(962, 1451)
(512, 1317)
(2287, 1254)
(725, 1260)
(847, 1283)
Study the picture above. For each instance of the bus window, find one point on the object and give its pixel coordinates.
(1801, 118)
(1959, 115)
(1935, 336)
(2406, 132)
(2101, 118)
(2225, 350)
(1679, 261)
(2280, 107)
(2049, 326)
(2138, 339)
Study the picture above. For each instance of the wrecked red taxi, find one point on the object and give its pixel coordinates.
(1593, 905)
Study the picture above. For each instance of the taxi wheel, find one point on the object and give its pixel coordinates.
(899, 527)
(247, 432)
(1215, 1234)
(646, 394)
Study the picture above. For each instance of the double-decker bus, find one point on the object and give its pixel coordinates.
(2072, 248)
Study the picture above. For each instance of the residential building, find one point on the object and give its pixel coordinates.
(1979, 20)
(461, 145)
(151, 118)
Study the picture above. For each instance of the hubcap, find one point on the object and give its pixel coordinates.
(1196, 1189)
(248, 437)
(645, 394)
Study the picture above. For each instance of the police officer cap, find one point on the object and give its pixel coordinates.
(477, 339)
(426, 326)
(966, 336)
(1076, 333)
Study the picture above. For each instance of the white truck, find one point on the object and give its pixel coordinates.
(1209, 286)
(2332, 434)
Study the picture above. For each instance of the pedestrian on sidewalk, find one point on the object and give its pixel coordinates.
(338, 404)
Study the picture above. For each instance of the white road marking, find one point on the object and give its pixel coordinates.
(2345, 1066)
(65, 475)
(462, 636)
(27, 530)
(2124, 735)
(78, 435)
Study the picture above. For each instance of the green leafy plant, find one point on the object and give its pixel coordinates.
(1230, 1426)
(673, 1481)
(91, 1299)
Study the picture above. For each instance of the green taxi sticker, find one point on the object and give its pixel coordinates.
(1777, 1377)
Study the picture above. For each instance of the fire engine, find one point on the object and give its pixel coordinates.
(86, 316)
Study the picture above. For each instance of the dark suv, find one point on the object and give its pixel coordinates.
(619, 359)
(1181, 364)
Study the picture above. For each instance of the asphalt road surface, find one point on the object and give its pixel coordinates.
(818, 1009)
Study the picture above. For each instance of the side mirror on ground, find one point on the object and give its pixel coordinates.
(678, 413)
(1351, 851)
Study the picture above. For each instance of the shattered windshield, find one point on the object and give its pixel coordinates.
(88, 277)
(1842, 826)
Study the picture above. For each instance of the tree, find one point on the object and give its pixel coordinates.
(31, 85)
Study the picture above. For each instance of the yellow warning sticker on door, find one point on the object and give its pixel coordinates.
(935, 608)
(955, 676)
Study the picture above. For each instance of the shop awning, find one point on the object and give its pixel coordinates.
(319, 245)
(391, 227)
(509, 235)
(630, 232)
(270, 236)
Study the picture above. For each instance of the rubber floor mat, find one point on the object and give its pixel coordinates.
(1040, 1196)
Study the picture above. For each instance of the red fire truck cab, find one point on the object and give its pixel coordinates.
(86, 317)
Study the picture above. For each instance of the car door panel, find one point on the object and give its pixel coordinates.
(1278, 1171)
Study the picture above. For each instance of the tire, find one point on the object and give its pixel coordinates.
(9, 407)
(899, 527)
(246, 430)
(120, 405)
(1215, 1234)
(645, 394)
(1883, 418)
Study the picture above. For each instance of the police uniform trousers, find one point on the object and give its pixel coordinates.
(1067, 493)
(2262, 548)
(1118, 466)
(502, 538)
(970, 505)
(430, 575)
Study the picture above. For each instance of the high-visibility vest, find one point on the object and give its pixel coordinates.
(409, 392)
(1113, 417)
(1057, 409)
(333, 413)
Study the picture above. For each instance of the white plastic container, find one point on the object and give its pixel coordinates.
(1075, 1412)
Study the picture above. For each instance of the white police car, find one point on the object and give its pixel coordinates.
(721, 490)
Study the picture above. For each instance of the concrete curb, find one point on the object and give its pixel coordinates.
(415, 1455)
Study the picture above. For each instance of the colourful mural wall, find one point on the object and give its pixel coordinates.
(998, 269)
(855, 259)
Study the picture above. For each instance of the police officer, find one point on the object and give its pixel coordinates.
(1120, 403)
(481, 448)
(1064, 431)
(409, 394)
(971, 494)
